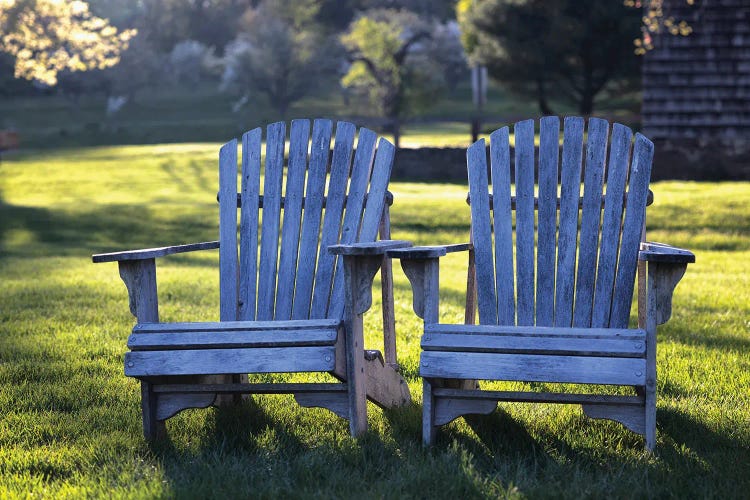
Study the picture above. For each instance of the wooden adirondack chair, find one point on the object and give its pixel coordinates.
(553, 322)
(288, 303)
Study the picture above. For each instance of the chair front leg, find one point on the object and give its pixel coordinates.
(359, 271)
(140, 279)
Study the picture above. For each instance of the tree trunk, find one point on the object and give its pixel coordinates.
(541, 95)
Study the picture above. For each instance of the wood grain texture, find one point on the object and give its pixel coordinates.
(249, 223)
(376, 199)
(481, 232)
(139, 277)
(631, 417)
(228, 260)
(588, 245)
(299, 139)
(538, 331)
(355, 202)
(503, 228)
(234, 326)
(524, 170)
(562, 346)
(269, 244)
(448, 409)
(230, 339)
(152, 253)
(568, 228)
(635, 215)
(617, 173)
(212, 361)
(314, 191)
(549, 151)
(533, 368)
(337, 183)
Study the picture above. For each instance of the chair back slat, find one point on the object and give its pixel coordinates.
(228, 231)
(284, 268)
(596, 151)
(337, 183)
(585, 242)
(617, 174)
(251, 143)
(299, 139)
(504, 282)
(355, 201)
(524, 151)
(270, 221)
(549, 152)
(314, 193)
(374, 208)
(375, 205)
(481, 231)
(635, 216)
(568, 229)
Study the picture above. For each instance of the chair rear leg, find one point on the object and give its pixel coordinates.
(650, 421)
(429, 429)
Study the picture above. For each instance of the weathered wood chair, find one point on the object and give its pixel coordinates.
(553, 322)
(293, 300)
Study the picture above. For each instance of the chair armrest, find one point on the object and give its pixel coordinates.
(367, 249)
(659, 252)
(428, 252)
(151, 253)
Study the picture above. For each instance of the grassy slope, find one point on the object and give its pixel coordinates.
(173, 114)
(70, 421)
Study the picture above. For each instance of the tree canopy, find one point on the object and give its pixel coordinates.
(398, 60)
(566, 49)
(49, 36)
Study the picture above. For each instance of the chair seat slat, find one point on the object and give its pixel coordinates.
(533, 368)
(231, 339)
(230, 361)
(608, 347)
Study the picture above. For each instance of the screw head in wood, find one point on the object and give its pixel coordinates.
(638, 374)
(328, 357)
(130, 364)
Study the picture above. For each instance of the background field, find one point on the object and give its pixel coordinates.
(70, 420)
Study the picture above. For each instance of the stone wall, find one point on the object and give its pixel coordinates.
(687, 159)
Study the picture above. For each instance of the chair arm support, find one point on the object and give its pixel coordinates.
(659, 252)
(422, 268)
(663, 278)
(138, 271)
(151, 253)
(372, 248)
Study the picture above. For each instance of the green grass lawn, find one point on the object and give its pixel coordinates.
(70, 420)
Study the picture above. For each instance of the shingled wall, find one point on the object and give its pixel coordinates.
(696, 92)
